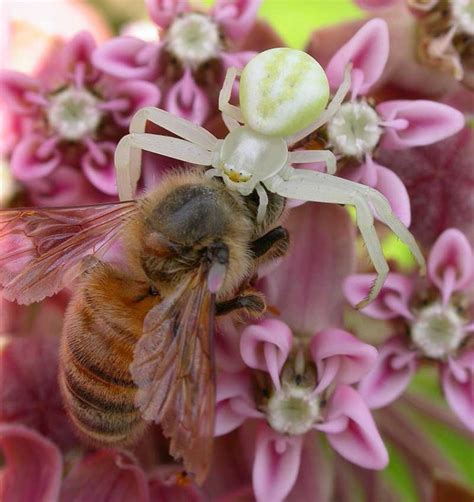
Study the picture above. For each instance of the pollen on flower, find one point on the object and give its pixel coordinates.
(354, 130)
(193, 39)
(438, 330)
(294, 408)
(74, 114)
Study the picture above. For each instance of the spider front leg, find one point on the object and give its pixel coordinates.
(303, 156)
(317, 187)
(128, 156)
(231, 114)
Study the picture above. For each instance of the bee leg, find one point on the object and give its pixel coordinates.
(273, 244)
(249, 303)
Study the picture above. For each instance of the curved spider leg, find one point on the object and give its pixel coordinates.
(382, 208)
(233, 113)
(262, 202)
(328, 113)
(302, 156)
(175, 148)
(316, 187)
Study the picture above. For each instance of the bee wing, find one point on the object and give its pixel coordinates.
(174, 370)
(41, 249)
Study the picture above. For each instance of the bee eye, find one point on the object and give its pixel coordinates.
(153, 291)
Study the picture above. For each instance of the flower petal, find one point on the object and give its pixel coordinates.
(98, 166)
(392, 301)
(32, 467)
(167, 484)
(29, 393)
(368, 52)
(186, 99)
(265, 346)
(451, 262)
(234, 402)
(164, 11)
(375, 4)
(458, 387)
(306, 288)
(77, 56)
(354, 358)
(27, 163)
(128, 58)
(276, 464)
(360, 441)
(105, 475)
(236, 17)
(427, 122)
(17, 91)
(138, 94)
(391, 374)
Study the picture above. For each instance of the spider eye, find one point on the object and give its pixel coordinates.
(282, 91)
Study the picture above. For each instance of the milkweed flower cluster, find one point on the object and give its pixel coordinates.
(306, 403)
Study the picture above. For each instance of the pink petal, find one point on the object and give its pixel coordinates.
(234, 402)
(458, 387)
(127, 58)
(105, 475)
(137, 94)
(428, 122)
(236, 16)
(227, 346)
(450, 264)
(236, 59)
(391, 375)
(390, 185)
(16, 91)
(166, 484)
(306, 287)
(186, 99)
(354, 358)
(265, 346)
(392, 301)
(32, 466)
(368, 52)
(100, 169)
(360, 441)
(67, 186)
(78, 53)
(276, 464)
(27, 163)
(29, 393)
(164, 11)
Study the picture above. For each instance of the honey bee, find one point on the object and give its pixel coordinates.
(137, 345)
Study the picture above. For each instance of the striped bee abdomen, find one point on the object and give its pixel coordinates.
(102, 325)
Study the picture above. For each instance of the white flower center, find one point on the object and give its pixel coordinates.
(438, 330)
(354, 130)
(74, 113)
(193, 39)
(463, 15)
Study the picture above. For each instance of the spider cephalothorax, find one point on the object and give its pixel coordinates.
(283, 98)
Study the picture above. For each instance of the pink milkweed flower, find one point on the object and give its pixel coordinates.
(362, 127)
(445, 34)
(438, 320)
(307, 389)
(189, 60)
(70, 118)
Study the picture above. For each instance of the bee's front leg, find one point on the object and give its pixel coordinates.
(249, 303)
(272, 245)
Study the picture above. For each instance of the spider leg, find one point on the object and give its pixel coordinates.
(302, 156)
(230, 113)
(262, 202)
(317, 187)
(328, 113)
(129, 149)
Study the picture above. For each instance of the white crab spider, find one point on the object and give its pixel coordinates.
(283, 97)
